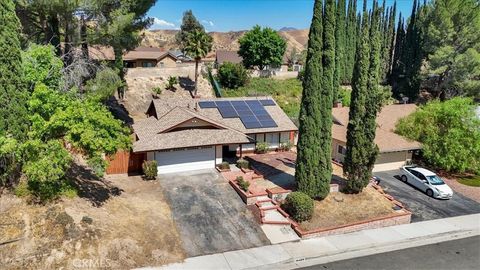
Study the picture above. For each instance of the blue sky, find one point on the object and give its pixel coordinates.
(233, 15)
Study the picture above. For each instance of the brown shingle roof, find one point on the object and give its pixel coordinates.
(190, 138)
(386, 139)
(283, 121)
(154, 134)
(228, 56)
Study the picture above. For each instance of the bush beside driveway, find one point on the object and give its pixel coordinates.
(210, 216)
(422, 206)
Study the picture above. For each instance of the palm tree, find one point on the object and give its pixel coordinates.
(198, 46)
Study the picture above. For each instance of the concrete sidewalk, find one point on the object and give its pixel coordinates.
(321, 250)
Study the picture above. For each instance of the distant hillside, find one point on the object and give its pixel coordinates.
(223, 40)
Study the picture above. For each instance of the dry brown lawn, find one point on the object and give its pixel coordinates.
(341, 209)
(131, 229)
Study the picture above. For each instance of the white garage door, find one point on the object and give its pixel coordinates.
(185, 160)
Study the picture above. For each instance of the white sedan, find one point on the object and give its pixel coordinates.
(427, 181)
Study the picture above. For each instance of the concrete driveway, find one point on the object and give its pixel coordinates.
(422, 206)
(209, 214)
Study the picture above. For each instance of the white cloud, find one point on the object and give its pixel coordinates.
(210, 23)
(162, 24)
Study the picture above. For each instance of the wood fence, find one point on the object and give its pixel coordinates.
(125, 162)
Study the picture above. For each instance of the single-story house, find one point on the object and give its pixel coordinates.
(186, 134)
(222, 56)
(395, 150)
(139, 57)
(149, 57)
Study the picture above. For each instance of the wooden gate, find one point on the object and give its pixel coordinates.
(126, 162)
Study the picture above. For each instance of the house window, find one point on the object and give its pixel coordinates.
(147, 64)
(341, 150)
(162, 64)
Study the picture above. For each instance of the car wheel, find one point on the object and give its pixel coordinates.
(429, 193)
(404, 178)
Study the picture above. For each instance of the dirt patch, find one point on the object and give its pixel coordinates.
(340, 209)
(132, 229)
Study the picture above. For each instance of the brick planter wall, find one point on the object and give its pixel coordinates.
(246, 198)
(402, 217)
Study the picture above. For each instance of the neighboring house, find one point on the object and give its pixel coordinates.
(395, 150)
(139, 57)
(227, 56)
(183, 135)
(149, 57)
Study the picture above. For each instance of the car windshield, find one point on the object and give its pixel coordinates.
(435, 180)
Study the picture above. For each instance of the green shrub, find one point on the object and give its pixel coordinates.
(224, 165)
(45, 167)
(242, 163)
(344, 95)
(261, 148)
(150, 169)
(286, 146)
(449, 132)
(300, 75)
(299, 206)
(232, 75)
(21, 190)
(157, 91)
(242, 183)
(172, 80)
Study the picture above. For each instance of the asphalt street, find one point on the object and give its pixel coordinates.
(462, 254)
(422, 206)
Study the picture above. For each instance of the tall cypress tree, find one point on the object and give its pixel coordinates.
(307, 171)
(361, 149)
(398, 66)
(391, 40)
(326, 101)
(13, 93)
(351, 40)
(340, 47)
(412, 56)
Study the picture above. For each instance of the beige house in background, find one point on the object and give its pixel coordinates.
(140, 57)
(395, 150)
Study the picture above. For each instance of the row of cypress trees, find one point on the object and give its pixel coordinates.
(328, 61)
(348, 34)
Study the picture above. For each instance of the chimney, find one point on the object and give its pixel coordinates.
(337, 104)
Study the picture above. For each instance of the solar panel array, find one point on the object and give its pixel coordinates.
(251, 112)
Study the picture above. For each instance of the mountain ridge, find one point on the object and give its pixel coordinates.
(165, 39)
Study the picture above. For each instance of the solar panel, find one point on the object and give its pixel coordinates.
(267, 102)
(268, 123)
(207, 104)
(227, 112)
(254, 103)
(252, 113)
(264, 117)
(223, 103)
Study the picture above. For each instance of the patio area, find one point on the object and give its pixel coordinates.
(274, 173)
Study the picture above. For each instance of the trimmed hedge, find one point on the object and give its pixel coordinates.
(299, 206)
(224, 165)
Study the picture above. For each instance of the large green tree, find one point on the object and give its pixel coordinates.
(365, 102)
(451, 38)
(13, 92)
(197, 46)
(351, 40)
(449, 132)
(262, 48)
(189, 25)
(313, 166)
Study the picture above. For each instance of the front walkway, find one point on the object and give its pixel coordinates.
(315, 251)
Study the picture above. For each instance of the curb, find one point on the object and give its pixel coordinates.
(370, 250)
